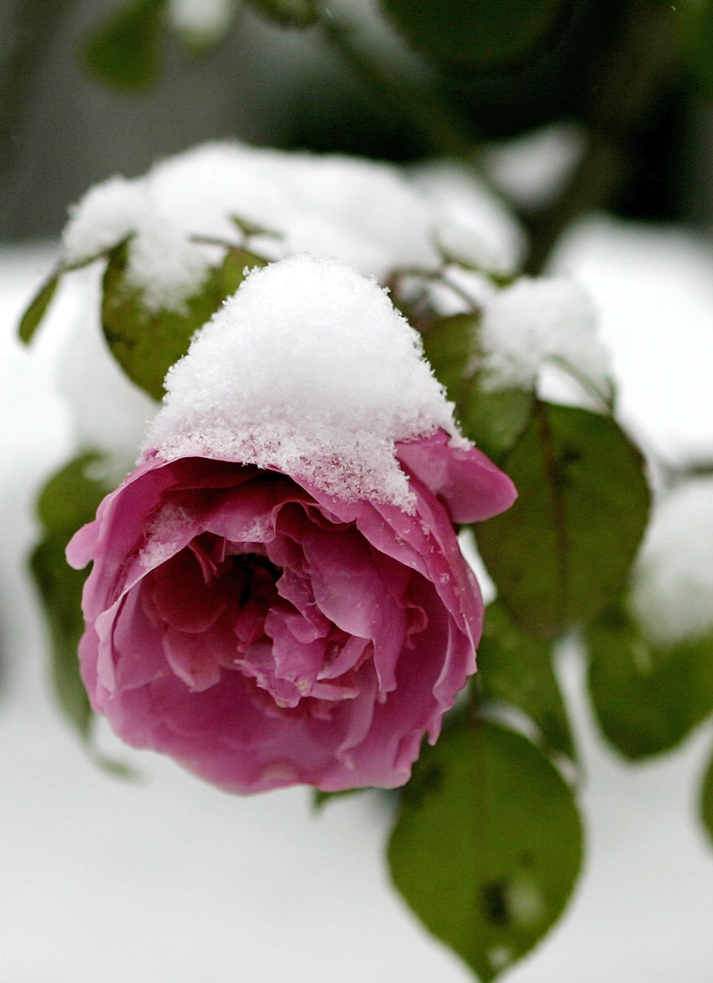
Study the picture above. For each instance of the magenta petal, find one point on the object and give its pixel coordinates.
(295, 659)
(192, 659)
(80, 549)
(182, 599)
(463, 477)
(347, 656)
(264, 633)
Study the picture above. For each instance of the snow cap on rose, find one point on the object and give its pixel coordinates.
(278, 595)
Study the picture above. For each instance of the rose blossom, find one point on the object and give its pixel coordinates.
(264, 633)
(277, 594)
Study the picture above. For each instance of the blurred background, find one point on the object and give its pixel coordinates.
(361, 88)
(591, 119)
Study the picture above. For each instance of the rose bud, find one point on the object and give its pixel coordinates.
(278, 595)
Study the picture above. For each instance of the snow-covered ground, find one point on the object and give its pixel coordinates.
(167, 880)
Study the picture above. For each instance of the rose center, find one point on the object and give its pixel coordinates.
(248, 585)
(203, 587)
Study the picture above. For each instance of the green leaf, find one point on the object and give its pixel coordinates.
(494, 420)
(695, 27)
(707, 800)
(37, 308)
(565, 547)
(236, 264)
(61, 592)
(71, 496)
(487, 845)
(320, 799)
(517, 670)
(144, 342)
(479, 35)
(289, 13)
(449, 344)
(69, 500)
(125, 52)
(646, 698)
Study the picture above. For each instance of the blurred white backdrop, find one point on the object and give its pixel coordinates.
(167, 880)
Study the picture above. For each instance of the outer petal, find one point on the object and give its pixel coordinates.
(472, 487)
(372, 571)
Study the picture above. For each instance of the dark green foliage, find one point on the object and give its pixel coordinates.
(68, 500)
(125, 51)
(289, 13)
(487, 846)
(494, 420)
(707, 800)
(516, 670)
(449, 344)
(647, 698)
(146, 343)
(477, 35)
(564, 549)
(37, 308)
(61, 591)
(232, 272)
(320, 799)
(695, 30)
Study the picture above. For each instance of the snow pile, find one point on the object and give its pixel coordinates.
(533, 168)
(203, 20)
(653, 287)
(471, 226)
(367, 214)
(107, 214)
(310, 369)
(534, 322)
(672, 595)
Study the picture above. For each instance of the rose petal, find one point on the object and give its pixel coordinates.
(471, 486)
(181, 597)
(264, 633)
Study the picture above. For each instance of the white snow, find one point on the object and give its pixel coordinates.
(171, 881)
(653, 288)
(308, 368)
(532, 168)
(672, 594)
(538, 321)
(372, 216)
(367, 214)
(473, 223)
(201, 20)
(106, 215)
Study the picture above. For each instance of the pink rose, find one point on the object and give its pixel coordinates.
(264, 633)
